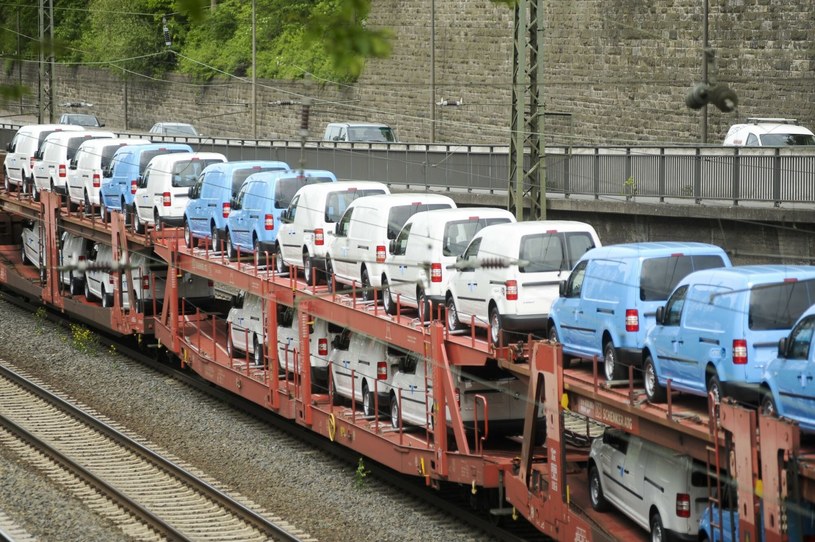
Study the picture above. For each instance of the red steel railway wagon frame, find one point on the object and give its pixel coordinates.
(540, 483)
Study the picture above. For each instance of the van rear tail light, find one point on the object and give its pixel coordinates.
(134, 184)
(227, 207)
(81, 258)
(632, 320)
(322, 347)
(380, 254)
(110, 278)
(319, 237)
(268, 223)
(166, 199)
(739, 352)
(211, 283)
(97, 181)
(512, 290)
(145, 282)
(435, 272)
(62, 173)
(682, 505)
(381, 370)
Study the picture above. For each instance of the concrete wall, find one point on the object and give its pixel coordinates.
(617, 69)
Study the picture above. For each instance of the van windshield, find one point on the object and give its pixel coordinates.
(544, 252)
(146, 156)
(240, 175)
(661, 275)
(285, 189)
(400, 214)
(185, 172)
(779, 305)
(382, 134)
(337, 202)
(784, 140)
(459, 233)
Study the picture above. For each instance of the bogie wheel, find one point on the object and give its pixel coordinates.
(367, 400)
(598, 500)
(452, 315)
(387, 297)
(395, 414)
(367, 290)
(653, 390)
(768, 407)
(611, 366)
(497, 335)
(658, 533)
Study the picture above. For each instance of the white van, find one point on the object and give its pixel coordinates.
(659, 489)
(322, 335)
(358, 252)
(309, 221)
(509, 275)
(163, 190)
(31, 244)
(73, 251)
(85, 170)
(149, 280)
(246, 327)
(417, 269)
(367, 132)
(502, 393)
(54, 157)
(362, 366)
(19, 163)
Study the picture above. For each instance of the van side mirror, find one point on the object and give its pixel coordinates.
(562, 288)
(285, 216)
(72, 164)
(101, 124)
(782, 347)
(660, 317)
(234, 204)
(107, 172)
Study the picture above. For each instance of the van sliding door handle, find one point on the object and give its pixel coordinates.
(626, 471)
(678, 342)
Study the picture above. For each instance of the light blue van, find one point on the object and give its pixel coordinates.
(212, 194)
(255, 218)
(608, 304)
(120, 180)
(788, 387)
(720, 328)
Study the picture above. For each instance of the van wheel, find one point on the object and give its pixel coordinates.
(35, 194)
(188, 238)
(425, 307)
(367, 290)
(611, 367)
(395, 414)
(257, 355)
(22, 252)
(88, 294)
(231, 250)
(598, 500)
(74, 285)
(768, 404)
(497, 335)
(216, 240)
(6, 182)
(107, 299)
(280, 265)
(387, 299)
(654, 392)
(230, 348)
(308, 269)
(367, 400)
(553, 338)
(88, 206)
(452, 315)
(103, 212)
(138, 225)
(714, 387)
(157, 221)
(330, 279)
(657, 530)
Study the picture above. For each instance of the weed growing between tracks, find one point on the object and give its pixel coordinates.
(360, 474)
(83, 339)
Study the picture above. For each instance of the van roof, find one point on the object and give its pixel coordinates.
(105, 141)
(62, 136)
(389, 200)
(322, 188)
(165, 160)
(536, 226)
(743, 276)
(244, 164)
(460, 213)
(651, 249)
(37, 128)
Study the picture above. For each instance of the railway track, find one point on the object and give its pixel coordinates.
(148, 496)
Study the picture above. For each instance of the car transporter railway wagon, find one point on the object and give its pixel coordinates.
(541, 477)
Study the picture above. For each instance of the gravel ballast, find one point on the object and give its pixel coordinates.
(286, 478)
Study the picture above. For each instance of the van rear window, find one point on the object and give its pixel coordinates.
(337, 202)
(107, 154)
(400, 214)
(73, 144)
(285, 189)
(779, 305)
(459, 233)
(240, 175)
(544, 252)
(185, 172)
(660, 276)
(146, 156)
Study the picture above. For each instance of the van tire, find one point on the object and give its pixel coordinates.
(88, 294)
(713, 385)
(598, 500)
(230, 347)
(654, 392)
(22, 252)
(107, 299)
(453, 323)
(231, 251)
(157, 221)
(74, 285)
(611, 366)
(188, 238)
(257, 355)
(553, 338)
(138, 225)
(496, 331)
(308, 269)
(387, 298)
(396, 415)
(88, 206)
(367, 400)
(367, 289)
(425, 307)
(768, 407)
(280, 265)
(330, 279)
(658, 533)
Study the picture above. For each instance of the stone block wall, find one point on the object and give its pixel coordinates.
(616, 72)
